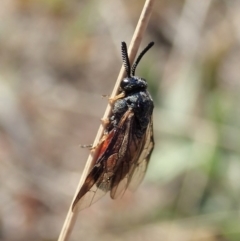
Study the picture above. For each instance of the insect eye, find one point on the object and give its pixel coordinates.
(124, 83)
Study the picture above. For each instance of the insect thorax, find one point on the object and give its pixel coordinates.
(141, 104)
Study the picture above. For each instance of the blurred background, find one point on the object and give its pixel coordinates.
(56, 60)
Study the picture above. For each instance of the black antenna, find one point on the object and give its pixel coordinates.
(125, 59)
(140, 57)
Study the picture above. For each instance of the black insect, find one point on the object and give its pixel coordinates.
(126, 146)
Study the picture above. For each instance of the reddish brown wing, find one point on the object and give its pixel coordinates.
(104, 174)
(122, 162)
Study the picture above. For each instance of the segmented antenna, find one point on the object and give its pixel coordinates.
(140, 57)
(125, 59)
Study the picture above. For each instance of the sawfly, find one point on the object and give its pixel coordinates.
(127, 144)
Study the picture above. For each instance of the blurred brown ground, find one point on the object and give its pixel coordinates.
(56, 60)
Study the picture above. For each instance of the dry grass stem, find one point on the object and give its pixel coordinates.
(133, 48)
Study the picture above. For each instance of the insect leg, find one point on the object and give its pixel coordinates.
(87, 146)
(113, 99)
(105, 121)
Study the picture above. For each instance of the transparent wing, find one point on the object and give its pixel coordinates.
(140, 167)
(127, 154)
(120, 181)
(122, 162)
(93, 195)
(110, 152)
(92, 189)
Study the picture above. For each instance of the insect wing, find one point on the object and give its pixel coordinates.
(112, 149)
(120, 178)
(135, 154)
(140, 167)
(122, 163)
(93, 195)
(93, 187)
(128, 155)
